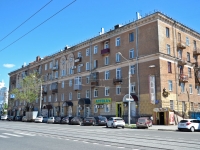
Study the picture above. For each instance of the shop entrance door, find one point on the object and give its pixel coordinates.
(161, 118)
(119, 109)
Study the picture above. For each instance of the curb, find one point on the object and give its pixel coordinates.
(167, 130)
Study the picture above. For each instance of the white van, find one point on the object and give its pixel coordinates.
(4, 117)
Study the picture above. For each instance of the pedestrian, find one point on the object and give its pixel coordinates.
(151, 118)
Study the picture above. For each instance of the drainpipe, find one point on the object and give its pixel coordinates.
(90, 74)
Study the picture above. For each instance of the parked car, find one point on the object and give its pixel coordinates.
(115, 122)
(4, 117)
(11, 118)
(100, 120)
(76, 120)
(24, 119)
(89, 121)
(144, 122)
(189, 124)
(65, 120)
(18, 118)
(58, 119)
(44, 120)
(51, 120)
(39, 119)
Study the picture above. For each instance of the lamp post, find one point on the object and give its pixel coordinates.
(129, 96)
(40, 98)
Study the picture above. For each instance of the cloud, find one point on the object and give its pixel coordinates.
(8, 65)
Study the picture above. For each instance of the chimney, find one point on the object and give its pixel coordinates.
(102, 31)
(117, 26)
(38, 58)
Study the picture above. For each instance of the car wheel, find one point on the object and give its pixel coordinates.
(112, 125)
(179, 129)
(192, 129)
(123, 127)
(80, 123)
(106, 125)
(93, 124)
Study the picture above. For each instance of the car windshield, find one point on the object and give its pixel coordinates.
(102, 118)
(141, 120)
(184, 121)
(119, 119)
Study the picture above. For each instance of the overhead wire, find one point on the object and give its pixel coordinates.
(25, 21)
(37, 26)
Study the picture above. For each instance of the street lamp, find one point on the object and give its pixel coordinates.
(40, 97)
(129, 81)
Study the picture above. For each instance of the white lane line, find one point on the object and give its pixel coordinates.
(12, 134)
(24, 133)
(181, 138)
(135, 149)
(156, 136)
(85, 142)
(95, 143)
(107, 145)
(66, 139)
(2, 136)
(120, 147)
(146, 135)
(75, 140)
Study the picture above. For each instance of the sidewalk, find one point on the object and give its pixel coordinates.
(164, 127)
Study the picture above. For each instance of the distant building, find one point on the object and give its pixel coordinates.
(3, 95)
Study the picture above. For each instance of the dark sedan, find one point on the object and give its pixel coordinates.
(101, 120)
(89, 121)
(76, 120)
(65, 120)
(58, 119)
(18, 118)
(11, 118)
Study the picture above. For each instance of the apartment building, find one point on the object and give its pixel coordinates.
(92, 78)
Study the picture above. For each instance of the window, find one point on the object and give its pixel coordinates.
(45, 66)
(45, 98)
(118, 90)
(189, 73)
(181, 69)
(106, 45)
(55, 97)
(117, 57)
(77, 80)
(117, 41)
(131, 37)
(199, 106)
(95, 64)
(70, 96)
(188, 56)
(50, 65)
(190, 88)
(170, 85)
(95, 93)
(107, 75)
(62, 97)
(79, 54)
(183, 106)
(132, 87)
(49, 87)
(50, 76)
(192, 106)
(107, 89)
(132, 69)
(171, 104)
(198, 90)
(63, 73)
(180, 54)
(56, 74)
(87, 66)
(95, 49)
(169, 67)
(182, 87)
(87, 80)
(167, 32)
(71, 71)
(179, 37)
(70, 82)
(87, 93)
(78, 95)
(106, 60)
(195, 45)
(107, 107)
(36, 101)
(63, 84)
(118, 73)
(49, 100)
(187, 41)
(131, 53)
(87, 52)
(95, 109)
(168, 49)
(79, 68)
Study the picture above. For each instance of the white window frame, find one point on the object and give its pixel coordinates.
(182, 87)
(168, 49)
(70, 82)
(45, 99)
(118, 73)
(131, 54)
(78, 95)
(95, 109)
(87, 80)
(170, 85)
(95, 92)
(56, 97)
(117, 41)
(198, 90)
(106, 60)
(107, 75)
(56, 74)
(70, 96)
(117, 57)
(79, 55)
(95, 49)
(87, 94)
(78, 68)
(171, 104)
(87, 52)
(45, 67)
(49, 99)
(87, 66)
(190, 88)
(106, 107)
(63, 84)
(106, 45)
(78, 80)
(107, 91)
(118, 90)
(133, 86)
(132, 33)
(62, 96)
(132, 69)
(95, 64)
(51, 65)
(187, 41)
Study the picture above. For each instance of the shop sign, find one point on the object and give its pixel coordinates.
(152, 89)
(103, 101)
(171, 118)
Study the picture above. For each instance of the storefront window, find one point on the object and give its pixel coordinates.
(107, 107)
(95, 109)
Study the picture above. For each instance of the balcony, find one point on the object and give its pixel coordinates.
(197, 78)
(181, 45)
(54, 87)
(182, 61)
(77, 60)
(44, 92)
(77, 87)
(183, 78)
(13, 81)
(55, 68)
(196, 51)
(117, 80)
(105, 51)
(94, 83)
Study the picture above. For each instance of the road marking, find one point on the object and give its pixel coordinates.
(66, 139)
(85, 142)
(156, 136)
(75, 140)
(13, 134)
(181, 138)
(24, 133)
(146, 135)
(95, 143)
(120, 147)
(107, 145)
(2, 136)
(135, 149)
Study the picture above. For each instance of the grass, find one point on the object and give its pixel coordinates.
(131, 126)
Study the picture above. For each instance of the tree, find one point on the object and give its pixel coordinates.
(5, 107)
(29, 88)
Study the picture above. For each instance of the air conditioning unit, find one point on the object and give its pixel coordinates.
(97, 106)
(101, 106)
(81, 65)
(73, 67)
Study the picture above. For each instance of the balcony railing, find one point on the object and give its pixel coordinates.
(55, 68)
(54, 91)
(181, 44)
(44, 92)
(94, 83)
(77, 87)
(54, 87)
(117, 80)
(105, 51)
(183, 78)
(196, 51)
(182, 61)
(77, 60)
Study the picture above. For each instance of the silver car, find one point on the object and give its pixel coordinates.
(39, 119)
(51, 120)
(24, 119)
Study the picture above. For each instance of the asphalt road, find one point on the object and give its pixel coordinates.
(35, 136)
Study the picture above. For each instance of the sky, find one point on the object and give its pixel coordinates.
(30, 28)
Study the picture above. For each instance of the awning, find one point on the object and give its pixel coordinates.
(134, 97)
(83, 101)
(49, 106)
(67, 103)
